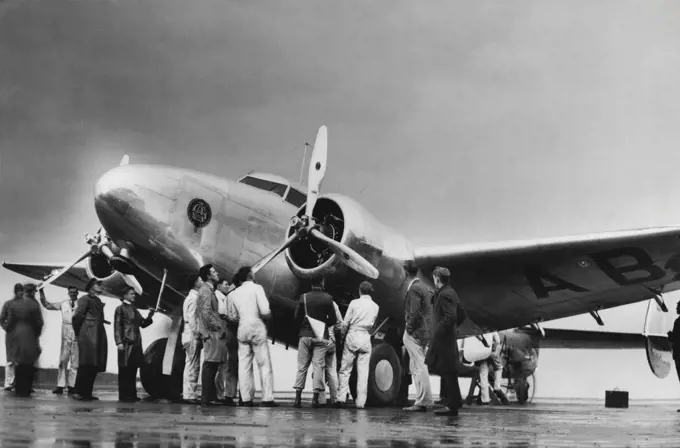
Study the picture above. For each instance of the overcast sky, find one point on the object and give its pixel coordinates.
(452, 121)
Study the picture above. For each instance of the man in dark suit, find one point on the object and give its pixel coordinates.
(442, 354)
(318, 305)
(674, 337)
(418, 311)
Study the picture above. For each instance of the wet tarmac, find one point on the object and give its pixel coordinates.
(47, 420)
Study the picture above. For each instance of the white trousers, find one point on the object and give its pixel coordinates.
(253, 346)
(68, 359)
(9, 375)
(357, 345)
(192, 367)
(419, 370)
(496, 364)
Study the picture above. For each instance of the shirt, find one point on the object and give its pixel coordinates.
(221, 303)
(361, 315)
(248, 302)
(64, 306)
(189, 315)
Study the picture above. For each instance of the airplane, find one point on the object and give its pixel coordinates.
(159, 224)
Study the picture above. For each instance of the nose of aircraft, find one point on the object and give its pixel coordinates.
(135, 196)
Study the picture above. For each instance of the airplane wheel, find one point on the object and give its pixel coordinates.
(384, 376)
(154, 382)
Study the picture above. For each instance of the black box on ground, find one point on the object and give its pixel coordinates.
(615, 399)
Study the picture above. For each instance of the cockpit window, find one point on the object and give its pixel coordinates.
(265, 185)
(296, 197)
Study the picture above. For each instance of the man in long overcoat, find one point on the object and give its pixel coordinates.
(88, 324)
(442, 354)
(9, 365)
(127, 322)
(24, 325)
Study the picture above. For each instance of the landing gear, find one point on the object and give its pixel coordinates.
(157, 385)
(384, 376)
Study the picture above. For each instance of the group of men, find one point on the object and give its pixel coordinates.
(228, 325)
(83, 342)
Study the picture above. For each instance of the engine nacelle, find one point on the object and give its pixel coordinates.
(99, 267)
(472, 349)
(349, 223)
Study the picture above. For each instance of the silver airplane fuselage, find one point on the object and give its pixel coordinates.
(151, 211)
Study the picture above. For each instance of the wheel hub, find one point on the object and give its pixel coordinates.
(384, 376)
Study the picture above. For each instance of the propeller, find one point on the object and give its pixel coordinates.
(306, 226)
(102, 243)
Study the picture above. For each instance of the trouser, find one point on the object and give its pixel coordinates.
(419, 371)
(9, 375)
(311, 350)
(127, 382)
(209, 380)
(24, 380)
(453, 398)
(256, 350)
(227, 384)
(68, 365)
(192, 366)
(85, 379)
(332, 374)
(356, 346)
(484, 365)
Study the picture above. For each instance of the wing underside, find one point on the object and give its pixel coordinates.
(518, 283)
(76, 276)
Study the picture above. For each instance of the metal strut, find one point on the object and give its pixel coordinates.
(658, 298)
(597, 318)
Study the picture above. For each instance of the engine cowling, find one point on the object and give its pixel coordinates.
(349, 223)
(99, 267)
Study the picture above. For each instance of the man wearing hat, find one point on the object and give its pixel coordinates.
(359, 319)
(24, 325)
(9, 366)
(88, 324)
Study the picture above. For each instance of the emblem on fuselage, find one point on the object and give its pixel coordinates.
(199, 213)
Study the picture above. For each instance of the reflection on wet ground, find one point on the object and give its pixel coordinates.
(47, 420)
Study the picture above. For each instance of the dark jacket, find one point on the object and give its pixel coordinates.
(418, 311)
(88, 325)
(24, 325)
(126, 324)
(3, 324)
(320, 307)
(674, 337)
(442, 354)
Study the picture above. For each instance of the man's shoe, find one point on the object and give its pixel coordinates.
(269, 404)
(71, 390)
(211, 403)
(298, 399)
(446, 412)
(340, 404)
(9, 388)
(247, 404)
(415, 409)
(58, 390)
(228, 402)
(315, 400)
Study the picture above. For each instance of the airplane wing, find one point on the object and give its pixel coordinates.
(76, 276)
(508, 285)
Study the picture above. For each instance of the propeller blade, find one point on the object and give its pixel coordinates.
(317, 169)
(125, 160)
(262, 263)
(132, 281)
(50, 280)
(348, 256)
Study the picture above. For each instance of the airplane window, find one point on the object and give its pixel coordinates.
(296, 198)
(265, 185)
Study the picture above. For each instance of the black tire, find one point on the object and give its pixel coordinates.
(382, 391)
(156, 384)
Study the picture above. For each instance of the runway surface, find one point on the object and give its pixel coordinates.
(47, 420)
